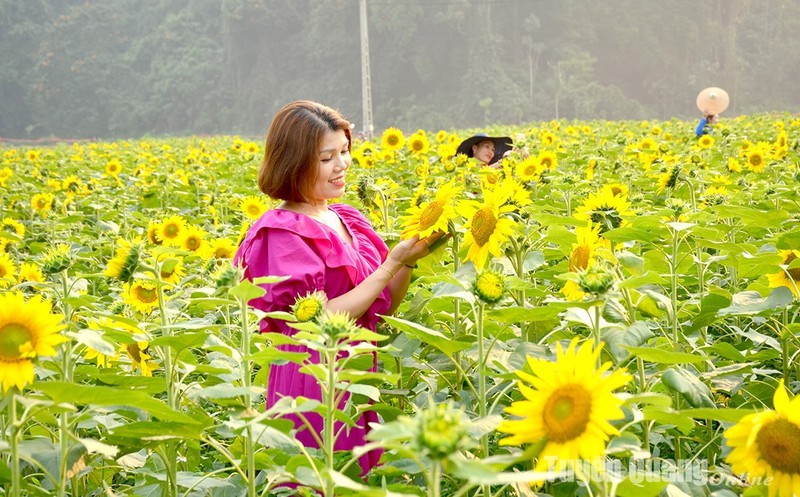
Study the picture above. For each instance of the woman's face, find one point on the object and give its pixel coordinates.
(484, 151)
(334, 160)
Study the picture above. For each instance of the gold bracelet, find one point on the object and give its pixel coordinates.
(386, 269)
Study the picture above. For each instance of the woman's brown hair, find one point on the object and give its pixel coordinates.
(291, 152)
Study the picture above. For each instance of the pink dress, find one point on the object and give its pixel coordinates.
(286, 243)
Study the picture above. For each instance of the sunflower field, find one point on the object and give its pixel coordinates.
(615, 313)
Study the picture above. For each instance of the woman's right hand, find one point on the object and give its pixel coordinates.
(409, 251)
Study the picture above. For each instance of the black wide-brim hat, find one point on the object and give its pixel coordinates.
(502, 144)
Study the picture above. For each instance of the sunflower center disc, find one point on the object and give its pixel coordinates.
(566, 413)
(12, 337)
(483, 224)
(779, 444)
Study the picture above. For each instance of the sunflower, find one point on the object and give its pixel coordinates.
(126, 259)
(72, 184)
(7, 271)
(27, 330)
(153, 232)
(141, 295)
(489, 286)
(714, 195)
(113, 167)
(733, 165)
(42, 202)
(30, 272)
(547, 161)
(547, 138)
(222, 248)
(310, 307)
(418, 144)
(605, 209)
(441, 136)
(616, 189)
(33, 154)
(568, 405)
(253, 206)
(669, 179)
(431, 217)
(755, 160)
(171, 267)
(194, 240)
(57, 259)
(648, 145)
(584, 254)
(14, 227)
(488, 230)
(518, 194)
(705, 141)
(5, 174)
(767, 444)
(789, 278)
(529, 169)
(392, 139)
(172, 231)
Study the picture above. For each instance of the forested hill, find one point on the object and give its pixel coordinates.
(132, 68)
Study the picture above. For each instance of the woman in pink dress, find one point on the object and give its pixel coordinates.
(331, 248)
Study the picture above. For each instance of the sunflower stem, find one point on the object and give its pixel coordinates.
(63, 421)
(434, 488)
(329, 391)
(248, 401)
(171, 460)
(13, 438)
(642, 388)
(479, 329)
(673, 294)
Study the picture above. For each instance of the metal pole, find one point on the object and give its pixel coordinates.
(366, 83)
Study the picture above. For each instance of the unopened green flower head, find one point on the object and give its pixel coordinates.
(596, 279)
(310, 307)
(440, 430)
(489, 286)
(57, 259)
(337, 325)
(226, 277)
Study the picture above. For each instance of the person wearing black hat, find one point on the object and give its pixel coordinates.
(487, 149)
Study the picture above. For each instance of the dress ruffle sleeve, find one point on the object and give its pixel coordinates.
(285, 243)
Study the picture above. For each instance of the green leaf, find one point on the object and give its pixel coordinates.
(751, 302)
(72, 393)
(648, 278)
(513, 315)
(445, 344)
(694, 391)
(247, 291)
(619, 339)
(725, 415)
(157, 431)
(661, 356)
(641, 484)
(752, 217)
(670, 417)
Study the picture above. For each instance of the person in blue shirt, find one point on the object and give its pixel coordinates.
(706, 123)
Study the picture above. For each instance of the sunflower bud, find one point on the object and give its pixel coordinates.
(440, 430)
(310, 307)
(226, 277)
(596, 280)
(489, 286)
(57, 259)
(337, 325)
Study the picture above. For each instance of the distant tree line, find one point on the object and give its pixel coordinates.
(133, 68)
